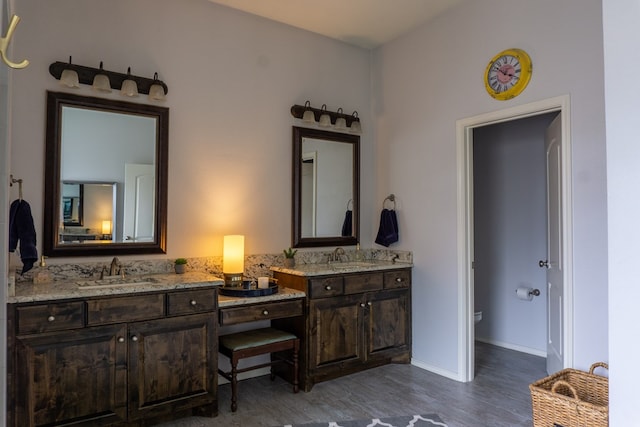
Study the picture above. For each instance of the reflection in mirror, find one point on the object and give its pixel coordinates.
(106, 172)
(325, 188)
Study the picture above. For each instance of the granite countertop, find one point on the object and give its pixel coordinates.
(341, 267)
(282, 294)
(84, 288)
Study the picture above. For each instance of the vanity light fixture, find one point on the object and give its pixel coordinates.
(69, 77)
(308, 116)
(325, 119)
(341, 122)
(129, 86)
(156, 91)
(233, 260)
(355, 127)
(86, 76)
(101, 81)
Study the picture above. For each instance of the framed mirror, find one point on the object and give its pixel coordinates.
(105, 177)
(326, 188)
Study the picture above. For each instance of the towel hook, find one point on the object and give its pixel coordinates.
(19, 182)
(350, 202)
(4, 44)
(391, 198)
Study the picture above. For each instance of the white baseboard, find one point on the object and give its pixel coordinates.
(439, 371)
(515, 347)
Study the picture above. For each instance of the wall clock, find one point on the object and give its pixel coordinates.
(508, 74)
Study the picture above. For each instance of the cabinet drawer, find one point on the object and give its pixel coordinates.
(187, 302)
(50, 317)
(397, 279)
(358, 283)
(326, 287)
(125, 309)
(251, 313)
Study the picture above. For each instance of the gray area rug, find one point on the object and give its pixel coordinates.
(428, 420)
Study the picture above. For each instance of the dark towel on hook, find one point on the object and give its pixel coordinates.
(388, 230)
(21, 229)
(347, 225)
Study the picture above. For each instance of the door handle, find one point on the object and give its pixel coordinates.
(544, 263)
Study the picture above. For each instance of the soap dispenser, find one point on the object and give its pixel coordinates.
(43, 275)
(358, 255)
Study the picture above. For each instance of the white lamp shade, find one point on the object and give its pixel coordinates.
(341, 123)
(101, 84)
(156, 92)
(356, 127)
(69, 78)
(129, 88)
(325, 121)
(308, 117)
(233, 254)
(106, 227)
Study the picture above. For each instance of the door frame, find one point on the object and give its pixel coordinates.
(465, 253)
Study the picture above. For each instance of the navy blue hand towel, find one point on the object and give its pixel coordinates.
(21, 229)
(347, 225)
(388, 230)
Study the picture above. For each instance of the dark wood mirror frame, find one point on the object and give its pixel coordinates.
(51, 246)
(297, 241)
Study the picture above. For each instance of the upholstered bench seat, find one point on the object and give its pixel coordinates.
(283, 346)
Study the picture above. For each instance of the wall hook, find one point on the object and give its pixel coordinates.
(4, 44)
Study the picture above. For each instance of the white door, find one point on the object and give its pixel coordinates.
(139, 202)
(554, 262)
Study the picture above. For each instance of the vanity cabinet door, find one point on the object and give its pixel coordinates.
(172, 365)
(388, 324)
(77, 377)
(335, 326)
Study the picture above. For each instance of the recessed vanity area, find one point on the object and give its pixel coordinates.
(132, 343)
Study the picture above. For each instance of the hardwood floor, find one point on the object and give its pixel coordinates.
(499, 395)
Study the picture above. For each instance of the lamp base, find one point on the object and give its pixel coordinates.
(233, 280)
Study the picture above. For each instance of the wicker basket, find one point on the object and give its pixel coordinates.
(571, 398)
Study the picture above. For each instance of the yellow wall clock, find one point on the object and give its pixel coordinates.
(508, 74)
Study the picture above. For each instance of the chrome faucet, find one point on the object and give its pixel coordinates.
(336, 254)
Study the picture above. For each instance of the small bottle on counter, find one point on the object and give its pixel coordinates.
(42, 275)
(358, 255)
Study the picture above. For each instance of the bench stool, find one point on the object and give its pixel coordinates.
(250, 343)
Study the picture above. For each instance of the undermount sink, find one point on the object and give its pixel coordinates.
(351, 265)
(115, 282)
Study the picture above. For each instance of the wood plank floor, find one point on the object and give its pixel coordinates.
(498, 396)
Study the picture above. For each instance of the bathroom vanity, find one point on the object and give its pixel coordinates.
(358, 317)
(112, 355)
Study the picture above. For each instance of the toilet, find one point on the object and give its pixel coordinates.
(477, 317)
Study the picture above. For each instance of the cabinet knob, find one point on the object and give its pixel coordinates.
(369, 303)
(361, 304)
(328, 287)
(51, 318)
(399, 279)
(120, 339)
(134, 338)
(193, 302)
(265, 312)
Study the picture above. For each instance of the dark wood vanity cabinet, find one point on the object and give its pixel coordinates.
(114, 360)
(354, 321)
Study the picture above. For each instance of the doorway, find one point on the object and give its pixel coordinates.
(466, 253)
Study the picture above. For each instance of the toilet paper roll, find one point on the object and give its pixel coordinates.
(524, 293)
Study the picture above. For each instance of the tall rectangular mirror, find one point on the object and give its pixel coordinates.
(105, 177)
(326, 188)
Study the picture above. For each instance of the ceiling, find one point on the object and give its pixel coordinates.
(363, 23)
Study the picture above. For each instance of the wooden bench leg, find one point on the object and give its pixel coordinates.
(295, 366)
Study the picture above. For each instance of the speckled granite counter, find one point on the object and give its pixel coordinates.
(341, 267)
(57, 290)
(282, 294)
